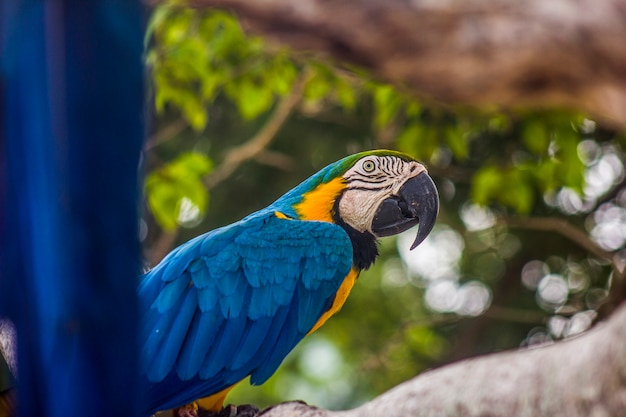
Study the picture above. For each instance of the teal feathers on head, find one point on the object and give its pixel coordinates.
(340, 167)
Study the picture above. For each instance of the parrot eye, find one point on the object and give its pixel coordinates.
(369, 166)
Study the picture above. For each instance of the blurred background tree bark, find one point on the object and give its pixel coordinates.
(478, 52)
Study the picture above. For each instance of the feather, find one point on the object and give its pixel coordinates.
(228, 283)
(176, 262)
(171, 293)
(221, 352)
(287, 338)
(148, 291)
(197, 343)
(156, 327)
(231, 304)
(201, 276)
(207, 299)
(254, 337)
(261, 303)
(170, 347)
(196, 265)
(309, 309)
(270, 341)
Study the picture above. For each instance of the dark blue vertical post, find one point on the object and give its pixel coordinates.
(70, 135)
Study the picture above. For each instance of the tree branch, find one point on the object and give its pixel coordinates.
(478, 52)
(165, 134)
(275, 159)
(259, 142)
(580, 377)
(562, 227)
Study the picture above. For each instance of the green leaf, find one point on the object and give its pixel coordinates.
(167, 187)
(456, 140)
(425, 342)
(517, 192)
(163, 200)
(346, 94)
(413, 109)
(190, 163)
(386, 105)
(512, 187)
(418, 139)
(570, 170)
(545, 175)
(409, 137)
(536, 137)
(317, 87)
(251, 99)
(498, 123)
(486, 184)
(194, 112)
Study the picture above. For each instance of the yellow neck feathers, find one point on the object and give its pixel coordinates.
(318, 203)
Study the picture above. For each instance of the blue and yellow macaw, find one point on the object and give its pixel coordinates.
(233, 302)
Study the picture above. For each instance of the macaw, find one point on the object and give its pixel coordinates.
(234, 302)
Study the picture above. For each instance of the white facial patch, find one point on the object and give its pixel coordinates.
(369, 182)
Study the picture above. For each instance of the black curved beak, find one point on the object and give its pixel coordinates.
(417, 202)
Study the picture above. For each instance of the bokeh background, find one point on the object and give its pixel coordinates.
(532, 220)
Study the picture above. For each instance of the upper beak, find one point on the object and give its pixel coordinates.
(417, 202)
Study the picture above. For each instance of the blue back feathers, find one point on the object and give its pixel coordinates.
(233, 302)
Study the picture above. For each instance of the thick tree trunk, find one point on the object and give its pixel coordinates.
(479, 52)
(581, 377)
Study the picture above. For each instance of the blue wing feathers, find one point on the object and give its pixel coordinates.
(254, 337)
(163, 335)
(202, 278)
(281, 295)
(230, 282)
(233, 302)
(310, 308)
(170, 349)
(147, 292)
(260, 358)
(207, 299)
(157, 333)
(262, 303)
(197, 344)
(178, 260)
(230, 334)
(171, 293)
(197, 265)
(288, 337)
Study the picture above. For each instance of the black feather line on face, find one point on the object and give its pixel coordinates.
(364, 244)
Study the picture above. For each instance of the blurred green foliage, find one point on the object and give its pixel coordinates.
(196, 57)
(170, 185)
(405, 314)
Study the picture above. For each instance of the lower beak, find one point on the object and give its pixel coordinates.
(417, 202)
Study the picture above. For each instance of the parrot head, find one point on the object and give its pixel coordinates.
(370, 194)
(387, 193)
